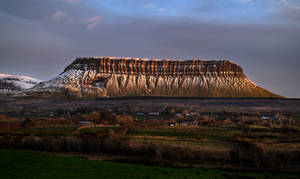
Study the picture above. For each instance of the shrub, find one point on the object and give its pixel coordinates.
(102, 116)
(3, 117)
(124, 120)
(27, 123)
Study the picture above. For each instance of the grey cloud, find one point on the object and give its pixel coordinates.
(43, 10)
(292, 14)
(286, 10)
(268, 53)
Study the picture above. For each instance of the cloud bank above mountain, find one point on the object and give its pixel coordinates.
(39, 38)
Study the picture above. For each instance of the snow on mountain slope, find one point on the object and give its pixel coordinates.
(13, 84)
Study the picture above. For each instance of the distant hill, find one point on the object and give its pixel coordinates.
(14, 84)
(124, 77)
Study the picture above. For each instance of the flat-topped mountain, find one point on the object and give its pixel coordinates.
(122, 77)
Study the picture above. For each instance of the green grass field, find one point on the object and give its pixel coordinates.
(27, 164)
(296, 116)
(5, 120)
(97, 129)
(211, 133)
(45, 131)
(161, 132)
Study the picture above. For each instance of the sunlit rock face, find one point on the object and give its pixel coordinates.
(122, 77)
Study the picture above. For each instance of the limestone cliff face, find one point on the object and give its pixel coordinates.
(116, 77)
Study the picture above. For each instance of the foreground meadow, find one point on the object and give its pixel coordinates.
(27, 164)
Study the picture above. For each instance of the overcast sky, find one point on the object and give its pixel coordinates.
(39, 38)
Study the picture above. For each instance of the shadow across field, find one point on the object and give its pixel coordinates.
(28, 164)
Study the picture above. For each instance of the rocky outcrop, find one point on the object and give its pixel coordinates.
(117, 77)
